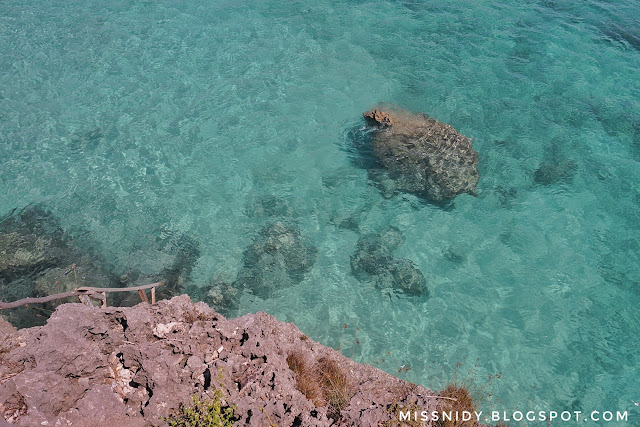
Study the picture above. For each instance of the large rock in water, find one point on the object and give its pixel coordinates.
(38, 258)
(422, 155)
(279, 257)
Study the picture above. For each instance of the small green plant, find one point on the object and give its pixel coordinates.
(210, 412)
(204, 413)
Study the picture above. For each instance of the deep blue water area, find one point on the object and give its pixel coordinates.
(137, 121)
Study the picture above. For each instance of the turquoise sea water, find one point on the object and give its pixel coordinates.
(128, 119)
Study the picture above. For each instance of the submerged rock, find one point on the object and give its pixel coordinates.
(373, 261)
(136, 366)
(30, 242)
(402, 274)
(422, 155)
(506, 195)
(278, 257)
(37, 258)
(371, 257)
(391, 237)
(66, 278)
(347, 220)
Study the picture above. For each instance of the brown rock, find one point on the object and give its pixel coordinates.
(378, 118)
(422, 155)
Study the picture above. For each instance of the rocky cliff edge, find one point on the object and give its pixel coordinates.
(136, 366)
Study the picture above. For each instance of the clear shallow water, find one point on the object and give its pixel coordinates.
(133, 119)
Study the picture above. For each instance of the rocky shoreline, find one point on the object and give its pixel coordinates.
(135, 366)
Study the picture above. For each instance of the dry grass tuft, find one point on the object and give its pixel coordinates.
(324, 382)
(463, 402)
(337, 390)
(308, 382)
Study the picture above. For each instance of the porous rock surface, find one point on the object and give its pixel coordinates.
(133, 366)
(422, 155)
